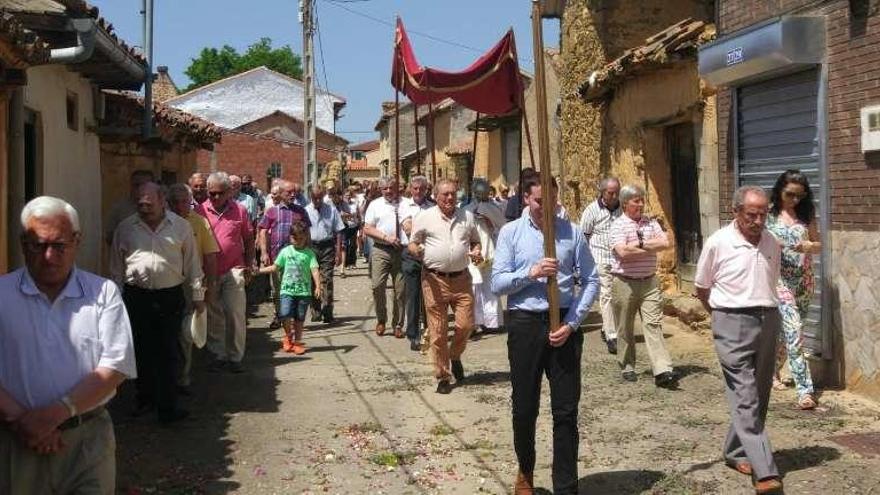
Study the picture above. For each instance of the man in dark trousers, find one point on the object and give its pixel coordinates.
(520, 271)
(410, 265)
(153, 255)
(326, 231)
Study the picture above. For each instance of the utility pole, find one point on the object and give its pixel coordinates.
(310, 148)
(148, 54)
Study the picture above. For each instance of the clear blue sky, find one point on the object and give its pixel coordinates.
(357, 50)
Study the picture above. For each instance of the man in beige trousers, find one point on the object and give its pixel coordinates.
(446, 239)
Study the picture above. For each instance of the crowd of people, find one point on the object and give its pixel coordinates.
(190, 250)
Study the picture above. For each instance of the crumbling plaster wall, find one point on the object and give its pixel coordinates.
(635, 146)
(593, 33)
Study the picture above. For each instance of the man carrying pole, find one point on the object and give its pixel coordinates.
(537, 346)
(537, 259)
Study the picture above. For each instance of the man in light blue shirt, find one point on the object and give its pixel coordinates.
(246, 200)
(65, 346)
(326, 232)
(520, 271)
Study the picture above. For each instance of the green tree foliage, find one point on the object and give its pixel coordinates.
(213, 64)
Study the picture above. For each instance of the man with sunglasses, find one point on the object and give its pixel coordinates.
(227, 316)
(65, 346)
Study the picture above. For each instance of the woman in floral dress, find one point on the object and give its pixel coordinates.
(792, 220)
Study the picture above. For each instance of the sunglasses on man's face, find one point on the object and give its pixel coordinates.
(216, 194)
(35, 247)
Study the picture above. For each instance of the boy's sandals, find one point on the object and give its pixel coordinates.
(299, 348)
(807, 402)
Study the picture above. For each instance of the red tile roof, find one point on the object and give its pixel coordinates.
(166, 117)
(365, 146)
(677, 42)
(359, 165)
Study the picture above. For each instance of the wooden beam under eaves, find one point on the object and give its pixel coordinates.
(552, 9)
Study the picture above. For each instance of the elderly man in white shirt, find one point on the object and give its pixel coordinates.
(382, 224)
(65, 346)
(596, 225)
(736, 281)
(153, 254)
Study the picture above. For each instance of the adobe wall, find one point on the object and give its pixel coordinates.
(593, 33)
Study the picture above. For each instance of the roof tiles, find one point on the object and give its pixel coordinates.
(677, 42)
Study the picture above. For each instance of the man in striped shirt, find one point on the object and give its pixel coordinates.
(596, 225)
(636, 239)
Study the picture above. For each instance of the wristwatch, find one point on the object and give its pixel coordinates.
(71, 407)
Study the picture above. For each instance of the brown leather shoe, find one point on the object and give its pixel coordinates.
(769, 485)
(524, 485)
(380, 329)
(744, 467)
(398, 332)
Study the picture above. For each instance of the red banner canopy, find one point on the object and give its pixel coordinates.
(490, 86)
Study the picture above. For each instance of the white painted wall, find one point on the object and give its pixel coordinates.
(71, 159)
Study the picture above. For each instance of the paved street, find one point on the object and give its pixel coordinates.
(358, 414)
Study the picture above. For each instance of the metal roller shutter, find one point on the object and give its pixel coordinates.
(777, 129)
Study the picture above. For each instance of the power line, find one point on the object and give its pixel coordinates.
(321, 51)
(339, 4)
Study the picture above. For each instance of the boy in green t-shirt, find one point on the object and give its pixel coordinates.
(299, 270)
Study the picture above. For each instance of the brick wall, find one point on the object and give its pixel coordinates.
(252, 154)
(853, 82)
(282, 126)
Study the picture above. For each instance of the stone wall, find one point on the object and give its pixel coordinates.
(855, 309)
(581, 122)
(407, 133)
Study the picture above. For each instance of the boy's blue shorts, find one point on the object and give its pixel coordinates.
(294, 307)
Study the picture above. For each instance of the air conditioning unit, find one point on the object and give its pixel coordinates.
(871, 128)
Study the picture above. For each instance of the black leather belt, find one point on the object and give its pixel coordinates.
(324, 243)
(77, 421)
(444, 274)
(385, 245)
(748, 310)
(634, 278)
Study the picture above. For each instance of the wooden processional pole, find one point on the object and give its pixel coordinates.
(549, 208)
(472, 166)
(433, 145)
(418, 150)
(397, 157)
